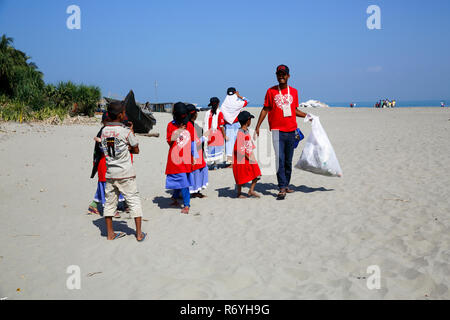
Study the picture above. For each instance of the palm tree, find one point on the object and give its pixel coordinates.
(5, 42)
(6, 65)
(19, 78)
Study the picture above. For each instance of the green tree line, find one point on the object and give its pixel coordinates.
(24, 95)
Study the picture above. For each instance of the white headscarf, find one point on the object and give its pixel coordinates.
(231, 107)
(214, 122)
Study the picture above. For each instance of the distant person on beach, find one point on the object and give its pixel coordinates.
(99, 168)
(118, 142)
(199, 168)
(180, 133)
(442, 104)
(231, 106)
(281, 104)
(245, 167)
(214, 130)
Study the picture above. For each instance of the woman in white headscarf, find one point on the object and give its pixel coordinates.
(213, 127)
(231, 107)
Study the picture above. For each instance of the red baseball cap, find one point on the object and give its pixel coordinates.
(282, 68)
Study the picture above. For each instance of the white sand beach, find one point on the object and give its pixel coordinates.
(390, 209)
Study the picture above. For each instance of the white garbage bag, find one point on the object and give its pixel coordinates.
(318, 154)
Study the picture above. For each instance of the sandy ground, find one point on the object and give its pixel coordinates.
(391, 209)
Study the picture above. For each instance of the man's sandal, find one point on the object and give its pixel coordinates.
(281, 195)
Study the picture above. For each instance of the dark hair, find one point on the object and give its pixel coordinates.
(180, 113)
(244, 122)
(192, 110)
(114, 109)
(214, 107)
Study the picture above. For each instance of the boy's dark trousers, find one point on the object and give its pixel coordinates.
(283, 143)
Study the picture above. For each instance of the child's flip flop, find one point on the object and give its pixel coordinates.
(143, 238)
(119, 235)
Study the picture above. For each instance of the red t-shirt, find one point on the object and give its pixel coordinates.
(179, 159)
(215, 137)
(273, 101)
(101, 169)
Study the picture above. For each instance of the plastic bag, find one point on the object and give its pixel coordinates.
(318, 155)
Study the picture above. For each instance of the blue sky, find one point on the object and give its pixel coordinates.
(197, 49)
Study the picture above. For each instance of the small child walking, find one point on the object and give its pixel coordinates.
(118, 142)
(245, 167)
(180, 133)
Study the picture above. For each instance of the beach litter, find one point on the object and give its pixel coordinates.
(313, 104)
(68, 120)
(398, 199)
(93, 273)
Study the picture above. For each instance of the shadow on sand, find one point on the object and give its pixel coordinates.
(267, 189)
(118, 226)
(226, 192)
(164, 202)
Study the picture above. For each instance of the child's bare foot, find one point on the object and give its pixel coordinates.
(241, 196)
(141, 237)
(254, 194)
(185, 210)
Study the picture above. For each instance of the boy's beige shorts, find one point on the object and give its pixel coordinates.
(128, 188)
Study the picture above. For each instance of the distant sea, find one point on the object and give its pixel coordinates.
(370, 104)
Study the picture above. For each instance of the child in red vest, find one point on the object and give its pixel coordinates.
(245, 167)
(180, 133)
